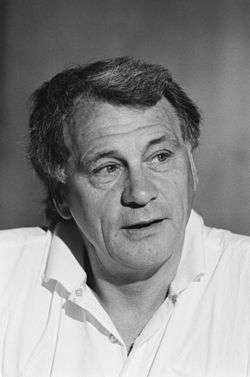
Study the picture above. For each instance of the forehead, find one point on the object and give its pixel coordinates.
(97, 122)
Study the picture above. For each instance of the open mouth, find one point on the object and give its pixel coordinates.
(143, 224)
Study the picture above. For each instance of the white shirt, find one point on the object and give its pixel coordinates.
(51, 323)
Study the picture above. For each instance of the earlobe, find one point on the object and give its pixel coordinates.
(61, 205)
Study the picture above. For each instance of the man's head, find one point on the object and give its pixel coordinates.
(113, 143)
(121, 81)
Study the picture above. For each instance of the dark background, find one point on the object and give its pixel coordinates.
(205, 44)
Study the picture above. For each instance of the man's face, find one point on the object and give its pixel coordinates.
(130, 186)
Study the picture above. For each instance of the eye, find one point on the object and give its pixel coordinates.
(160, 160)
(162, 156)
(106, 169)
(106, 173)
(109, 169)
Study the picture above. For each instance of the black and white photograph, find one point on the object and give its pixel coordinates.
(125, 188)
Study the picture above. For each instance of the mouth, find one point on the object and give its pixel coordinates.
(143, 229)
(142, 224)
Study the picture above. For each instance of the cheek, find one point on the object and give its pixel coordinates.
(90, 206)
(178, 181)
(82, 203)
(178, 189)
(185, 175)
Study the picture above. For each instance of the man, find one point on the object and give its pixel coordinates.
(128, 281)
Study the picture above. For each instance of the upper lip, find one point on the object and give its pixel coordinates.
(141, 224)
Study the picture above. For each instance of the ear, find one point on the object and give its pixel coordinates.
(61, 204)
(193, 167)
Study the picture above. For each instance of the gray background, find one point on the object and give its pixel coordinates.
(205, 44)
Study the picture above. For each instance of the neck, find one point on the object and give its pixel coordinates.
(137, 295)
(131, 305)
(130, 300)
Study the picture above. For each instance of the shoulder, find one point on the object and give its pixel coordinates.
(227, 242)
(18, 235)
(228, 253)
(20, 246)
(12, 241)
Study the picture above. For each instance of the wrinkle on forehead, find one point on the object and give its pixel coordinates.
(86, 115)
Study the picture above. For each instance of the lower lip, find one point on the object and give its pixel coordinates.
(144, 232)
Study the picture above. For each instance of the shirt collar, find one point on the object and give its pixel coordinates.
(63, 267)
(192, 265)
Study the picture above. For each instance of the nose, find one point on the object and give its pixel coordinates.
(138, 190)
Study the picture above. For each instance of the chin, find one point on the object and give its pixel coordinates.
(144, 255)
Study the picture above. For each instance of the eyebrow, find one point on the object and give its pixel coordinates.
(115, 153)
(170, 138)
(99, 155)
(160, 140)
(110, 153)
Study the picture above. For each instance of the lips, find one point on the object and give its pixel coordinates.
(142, 224)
